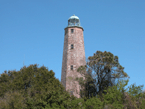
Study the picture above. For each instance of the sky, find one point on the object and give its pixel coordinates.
(32, 32)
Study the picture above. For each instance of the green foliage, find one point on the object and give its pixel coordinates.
(37, 88)
(115, 95)
(135, 91)
(136, 95)
(107, 69)
(142, 106)
(12, 100)
(119, 97)
(100, 72)
(93, 103)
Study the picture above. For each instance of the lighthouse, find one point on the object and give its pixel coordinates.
(73, 56)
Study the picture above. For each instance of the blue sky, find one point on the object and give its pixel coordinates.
(32, 31)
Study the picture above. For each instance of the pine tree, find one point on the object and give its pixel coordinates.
(101, 70)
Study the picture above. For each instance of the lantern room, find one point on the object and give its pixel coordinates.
(73, 21)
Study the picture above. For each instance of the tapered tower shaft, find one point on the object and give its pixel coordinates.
(73, 56)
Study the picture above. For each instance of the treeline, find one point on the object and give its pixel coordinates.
(36, 87)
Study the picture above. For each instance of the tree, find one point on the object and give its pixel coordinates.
(32, 87)
(101, 70)
(37, 88)
(12, 100)
(136, 95)
(116, 95)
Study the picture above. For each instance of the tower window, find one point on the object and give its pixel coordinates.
(72, 46)
(72, 30)
(71, 67)
(66, 31)
(71, 92)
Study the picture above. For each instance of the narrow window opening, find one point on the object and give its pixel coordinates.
(66, 32)
(72, 46)
(71, 92)
(72, 30)
(71, 67)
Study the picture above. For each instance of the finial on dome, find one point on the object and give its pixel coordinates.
(74, 17)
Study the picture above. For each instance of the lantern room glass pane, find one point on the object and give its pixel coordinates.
(73, 22)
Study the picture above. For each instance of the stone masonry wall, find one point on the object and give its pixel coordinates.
(75, 57)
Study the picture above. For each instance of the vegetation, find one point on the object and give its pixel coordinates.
(32, 88)
(103, 87)
(101, 70)
(105, 79)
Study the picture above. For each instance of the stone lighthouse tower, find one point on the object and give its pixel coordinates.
(73, 55)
